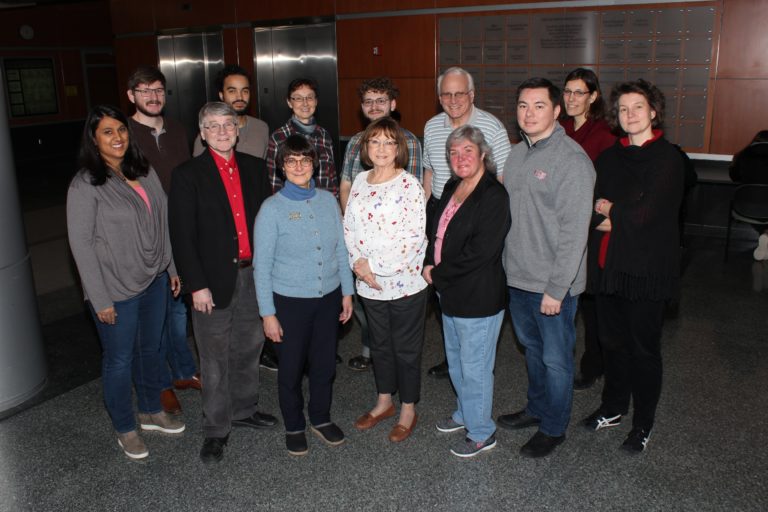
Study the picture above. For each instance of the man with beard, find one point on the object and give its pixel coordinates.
(378, 98)
(164, 142)
(234, 86)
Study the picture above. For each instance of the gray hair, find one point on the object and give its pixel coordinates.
(216, 108)
(456, 71)
(476, 137)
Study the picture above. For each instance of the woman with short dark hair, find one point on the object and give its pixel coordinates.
(384, 224)
(304, 287)
(636, 267)
(117, 223)
(302, 98)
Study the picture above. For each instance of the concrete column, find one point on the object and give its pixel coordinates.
(22, 358)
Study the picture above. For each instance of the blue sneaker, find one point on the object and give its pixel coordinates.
(469, 448)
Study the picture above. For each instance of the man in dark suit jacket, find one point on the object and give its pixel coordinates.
(213, 202)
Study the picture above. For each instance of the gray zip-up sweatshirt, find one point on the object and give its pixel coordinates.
(119, 245)
(550, 186)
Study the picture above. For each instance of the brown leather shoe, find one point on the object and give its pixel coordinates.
(400, 432)
(169, 402)
(368, 420)
(193, 383)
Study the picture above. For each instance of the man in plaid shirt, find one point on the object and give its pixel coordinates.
(302, 100)
(378, 98)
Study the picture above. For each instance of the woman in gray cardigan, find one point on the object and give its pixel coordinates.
(117, 221)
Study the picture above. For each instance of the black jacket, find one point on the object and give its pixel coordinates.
(202, 226)
(470, 278)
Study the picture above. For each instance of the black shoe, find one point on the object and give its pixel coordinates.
(540, 445)
(268, 361)
(601, 419)
(296, 443)
(637, 440)
(257, 420)
(213, 449)
(359, 363)
(330, 433)
(339, 360)
(518, 420)
(439, 371)
(581, 382)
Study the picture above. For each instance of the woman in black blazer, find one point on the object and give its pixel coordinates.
(463, 262)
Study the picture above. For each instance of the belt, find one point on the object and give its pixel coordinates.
(244, 263)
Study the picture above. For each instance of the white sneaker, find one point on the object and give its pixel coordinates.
(132, 445)
(761, 252)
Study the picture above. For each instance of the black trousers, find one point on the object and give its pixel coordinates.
(397, 339)
(630, 333)
(591, 365)
(310, 327)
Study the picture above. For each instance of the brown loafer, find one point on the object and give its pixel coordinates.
(400, 432)
(368, 420)
(169, 402)
(193, 383)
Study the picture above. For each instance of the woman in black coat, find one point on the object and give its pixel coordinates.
(463, 262)
(634, 257)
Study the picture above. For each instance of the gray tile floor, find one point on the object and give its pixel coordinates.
(707, 451)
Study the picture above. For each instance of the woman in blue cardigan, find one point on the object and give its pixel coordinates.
(304, 287)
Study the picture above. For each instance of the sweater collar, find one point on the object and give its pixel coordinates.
(657, 133)
(296, 193)
(558, 130)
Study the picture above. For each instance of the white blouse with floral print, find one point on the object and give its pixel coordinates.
(385, 223)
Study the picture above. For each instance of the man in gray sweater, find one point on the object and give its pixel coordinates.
(550, 182)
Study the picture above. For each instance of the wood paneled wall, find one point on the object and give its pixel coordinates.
(406, 43)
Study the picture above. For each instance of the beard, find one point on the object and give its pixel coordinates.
(140, 107)
(241, 110)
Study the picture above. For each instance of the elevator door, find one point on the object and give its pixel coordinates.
(298, 51)
(190, 63)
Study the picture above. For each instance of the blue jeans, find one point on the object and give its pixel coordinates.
(131, 348)
(470, 348)
(174, 346)
(548, 342)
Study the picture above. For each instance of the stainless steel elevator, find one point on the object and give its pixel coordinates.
(284, 53)
(190, 63)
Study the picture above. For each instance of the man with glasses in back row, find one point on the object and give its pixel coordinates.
(164, 143)
(378, 98)
(456, 91)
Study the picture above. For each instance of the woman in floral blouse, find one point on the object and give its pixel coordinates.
(384, 226)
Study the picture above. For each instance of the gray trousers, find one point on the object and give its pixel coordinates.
(229, 342)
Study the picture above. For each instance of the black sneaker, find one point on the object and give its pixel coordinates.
(268, 361)
(637, 440)
(296, 442)
(330, 433)
(518, 420)
(359, 363)
(540, 445)
(601, 419)
(439, 371)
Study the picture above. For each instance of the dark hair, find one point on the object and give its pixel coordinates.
(650, 92)
(597, 108)
(229, 70)
(145, 75)
(390, 128)
(472, 134)
(381, 84)
(761, 136)
(294, 145)
(540, 83)
(299, 82)
(133, 165)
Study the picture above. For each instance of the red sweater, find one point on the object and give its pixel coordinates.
(593, 136)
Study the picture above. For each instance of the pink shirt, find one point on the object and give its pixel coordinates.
(450, 210)
(143, 194)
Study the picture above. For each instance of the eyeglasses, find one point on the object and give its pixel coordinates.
(388, 144)
(458, 96)
(216, 127)
(579, 94)
(160, 91)
(292, 163)
(379, 102)
(303, 99)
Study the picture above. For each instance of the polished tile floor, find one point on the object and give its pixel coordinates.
(707, 451)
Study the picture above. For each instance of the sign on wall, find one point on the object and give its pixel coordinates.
(31, 87)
